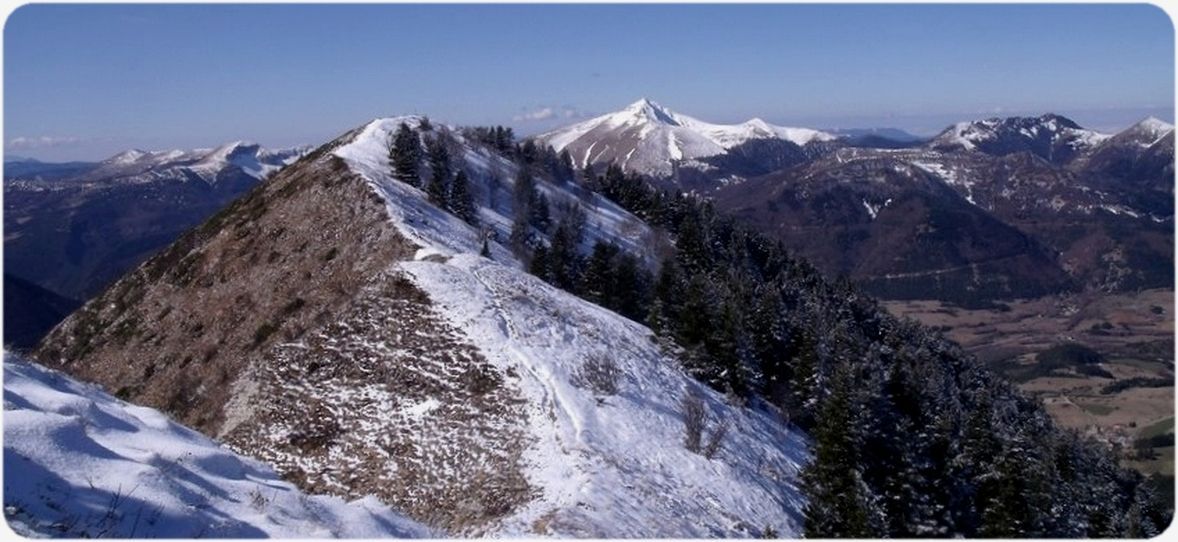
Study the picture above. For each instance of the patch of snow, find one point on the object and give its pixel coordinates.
(615, 465)
(79, 463)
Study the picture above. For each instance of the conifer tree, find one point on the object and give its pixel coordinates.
(838, 506)
(405, 155)
(541, 264)
(461, 201)
(598, 276)
(438, 156)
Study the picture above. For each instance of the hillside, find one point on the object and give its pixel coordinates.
(337, 323)
(450, 386)
(79, 463)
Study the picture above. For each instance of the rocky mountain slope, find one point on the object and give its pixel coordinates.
(1055, 206)
(1088, 223)
(74, 233)
(1051, 137)
(79, 463)
(897, 229)
(338, 325)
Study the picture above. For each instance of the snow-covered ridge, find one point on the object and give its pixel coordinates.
(492, 179)
(79, 463)
(614, 464)
(136, 166)
(970, 135)
(649, 138)
(602, 464)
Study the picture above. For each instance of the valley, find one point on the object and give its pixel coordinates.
(1123, 395)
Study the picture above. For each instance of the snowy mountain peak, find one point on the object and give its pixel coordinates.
(648, 111)
(1050, 136)
(127, 157)
(1155, 126)
(648, 138)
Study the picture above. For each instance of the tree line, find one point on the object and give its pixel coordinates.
(911, 436)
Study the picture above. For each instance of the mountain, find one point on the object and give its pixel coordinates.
(1139, 158)
(1051, 137)
(895, 227)
(79, 463)
(30, 311)
(363, 322)
(72, 234)
(1074, 225)
(878, 138)
(653, 140)
(20, 167)
(339, 326)
(1042, 204)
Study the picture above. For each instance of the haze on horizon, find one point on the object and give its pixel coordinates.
(85, 81)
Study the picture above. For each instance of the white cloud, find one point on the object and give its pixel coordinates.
(543, 113)
(549, 113)
(37, 142)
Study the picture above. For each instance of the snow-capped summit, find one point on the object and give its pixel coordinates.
(126, 157)
(137, 165)
(1052, 137)
(646, 137)
(1146, 132)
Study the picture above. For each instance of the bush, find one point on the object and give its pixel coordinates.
(694, 420)
(600, 374)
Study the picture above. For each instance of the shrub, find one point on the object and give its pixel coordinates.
(694, 420)
(599, 373)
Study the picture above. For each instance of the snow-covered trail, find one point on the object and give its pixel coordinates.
(614, 466)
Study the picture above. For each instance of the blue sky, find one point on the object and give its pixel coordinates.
(84, 81)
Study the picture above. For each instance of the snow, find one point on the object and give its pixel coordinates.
(80, 463)
(139, 167)
(440, 233)
(946, 174)
(603, 466)
(969, 135)
(651, 138)
(1156, 126)
(615, 466)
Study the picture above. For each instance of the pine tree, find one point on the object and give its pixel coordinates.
(541, 265)
(598, 276)
(405, 155)
(566, 172)
(664, 308)
(541, 215)
(521, 236)
(438, 156)
(838, 506)
(564, 264)
(461, 201)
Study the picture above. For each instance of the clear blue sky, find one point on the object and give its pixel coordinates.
(81, 82)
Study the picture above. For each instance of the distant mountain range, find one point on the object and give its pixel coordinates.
(73, 228)
(987, 209)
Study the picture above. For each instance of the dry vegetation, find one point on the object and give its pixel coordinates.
(265, 324)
